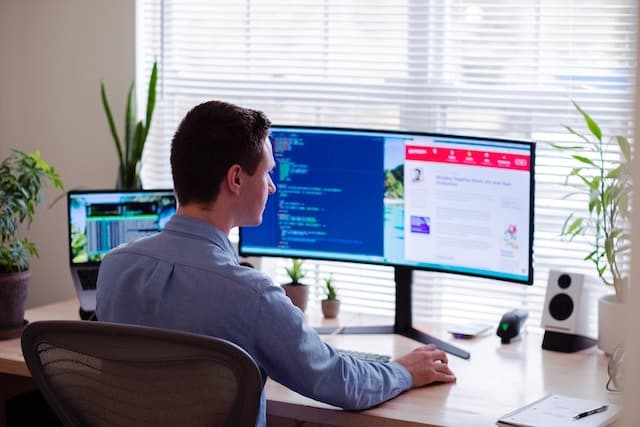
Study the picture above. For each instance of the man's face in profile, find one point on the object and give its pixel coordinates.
(257, 188)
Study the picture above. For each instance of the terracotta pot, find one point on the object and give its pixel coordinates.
(13, 302)
(330, 308)
(298, 294)
(611, 317)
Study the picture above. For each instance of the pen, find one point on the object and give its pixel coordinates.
(591, 412)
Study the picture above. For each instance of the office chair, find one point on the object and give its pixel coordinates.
(102, 374)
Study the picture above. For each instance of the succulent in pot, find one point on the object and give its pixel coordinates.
(331, 304)
(297, 291)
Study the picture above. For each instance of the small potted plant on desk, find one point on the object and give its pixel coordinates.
(295, 289)
(602, 174)
(331, 304)
(22, 176)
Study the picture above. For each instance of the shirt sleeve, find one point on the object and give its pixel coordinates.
(293, 354)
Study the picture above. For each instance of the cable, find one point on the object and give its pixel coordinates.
(615, 371)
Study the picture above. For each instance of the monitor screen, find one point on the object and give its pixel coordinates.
(100, 220)
(447, 203)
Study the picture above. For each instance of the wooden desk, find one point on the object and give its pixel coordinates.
(497, 379)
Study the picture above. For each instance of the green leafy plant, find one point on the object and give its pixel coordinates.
(131, 145)
(295, 271)
(22, 176)
(331, 290)
(605, 177)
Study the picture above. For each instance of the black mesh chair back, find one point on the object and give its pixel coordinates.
(107, 374)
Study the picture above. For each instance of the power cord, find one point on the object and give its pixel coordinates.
(614, 384)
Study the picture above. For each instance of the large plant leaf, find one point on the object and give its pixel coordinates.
(615, 173)
(568, 147)
(112, 126)
(584, 160)
(595, 204)
(591, 124)
(625, 147)
(623, 248)
(138, 142)
(623, 204)
(591, 255)
(608, 249)
(578, 134)
(129, 123)
(575, 228)
(602, 270)
(151, 98)
(570, 224)
(130, 148)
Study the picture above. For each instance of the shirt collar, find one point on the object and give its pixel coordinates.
(200, 230)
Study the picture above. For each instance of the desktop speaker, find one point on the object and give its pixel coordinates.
(565, 313)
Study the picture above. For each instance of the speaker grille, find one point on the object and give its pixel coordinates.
(564, 281)
(561, 307)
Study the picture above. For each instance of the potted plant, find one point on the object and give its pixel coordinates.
(295, 289)
(604, 176)
(331, 304)
(131, 145)
(22, 176)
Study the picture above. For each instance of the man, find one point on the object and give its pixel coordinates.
(188, 277)
(417, 175)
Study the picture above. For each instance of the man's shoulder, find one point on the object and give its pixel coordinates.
(255, 279)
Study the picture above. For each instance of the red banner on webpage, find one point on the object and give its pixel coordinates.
(484, 158)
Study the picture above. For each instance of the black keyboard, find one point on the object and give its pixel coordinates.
(363, 355)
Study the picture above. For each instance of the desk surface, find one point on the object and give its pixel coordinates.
(497, 379)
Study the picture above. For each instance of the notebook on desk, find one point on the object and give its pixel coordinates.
(556, 410)
(100, 220)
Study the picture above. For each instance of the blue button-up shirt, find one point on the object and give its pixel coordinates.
(188, 277)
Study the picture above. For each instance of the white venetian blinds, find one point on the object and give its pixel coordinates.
(498, 67)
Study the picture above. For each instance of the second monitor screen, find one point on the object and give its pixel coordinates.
(445, 203)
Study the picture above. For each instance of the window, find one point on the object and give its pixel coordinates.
(495, 68)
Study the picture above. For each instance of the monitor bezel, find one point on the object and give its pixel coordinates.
(520, 142)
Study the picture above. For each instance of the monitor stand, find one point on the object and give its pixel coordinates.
(404, 318)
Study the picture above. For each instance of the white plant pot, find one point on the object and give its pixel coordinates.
(611, 321)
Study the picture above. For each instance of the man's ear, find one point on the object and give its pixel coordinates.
(234, 179)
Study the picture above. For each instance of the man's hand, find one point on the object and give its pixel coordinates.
(427, 364)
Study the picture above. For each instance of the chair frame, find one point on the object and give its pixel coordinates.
(128, 343)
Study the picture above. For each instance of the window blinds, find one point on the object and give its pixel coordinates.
(497, 68)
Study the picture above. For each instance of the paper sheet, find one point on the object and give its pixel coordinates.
(558, 411)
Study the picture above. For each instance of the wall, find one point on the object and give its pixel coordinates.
(53, 55)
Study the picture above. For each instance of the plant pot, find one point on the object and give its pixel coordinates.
(13, 302)
(611, 321)
(330, 308)
(298, 294)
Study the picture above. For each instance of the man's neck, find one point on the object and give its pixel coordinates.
(206, 213)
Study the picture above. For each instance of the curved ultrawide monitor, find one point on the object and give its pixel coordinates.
(455, 204)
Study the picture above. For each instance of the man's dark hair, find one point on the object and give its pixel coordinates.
(211, 138)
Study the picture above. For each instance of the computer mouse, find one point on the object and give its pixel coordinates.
(511, 324)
